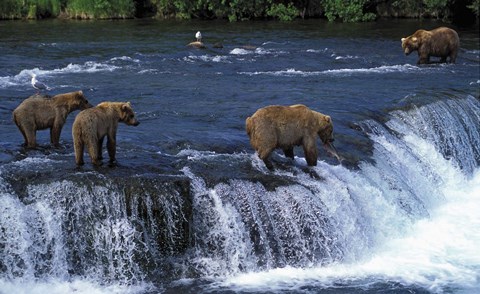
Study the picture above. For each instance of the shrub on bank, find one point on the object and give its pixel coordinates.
(100, 9)
(32, 9)
(235, 10)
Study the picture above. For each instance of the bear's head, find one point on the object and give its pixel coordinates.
(326, 135)
(410, 44)
(127, 115)
(81, 101)
(325, 131)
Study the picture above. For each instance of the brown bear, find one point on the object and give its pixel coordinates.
(284, 127)
(92, 125)
(43, 112)
(441, 42)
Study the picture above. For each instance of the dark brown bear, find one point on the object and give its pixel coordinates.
(39, 113)
(92, 125)
(284, 127)
(441, 42)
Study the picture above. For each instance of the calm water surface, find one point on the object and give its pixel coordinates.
(293, 230)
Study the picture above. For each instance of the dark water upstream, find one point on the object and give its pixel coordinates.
(191, 209)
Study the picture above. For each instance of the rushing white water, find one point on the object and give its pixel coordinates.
(406, 68)
(24, 77)
(409, 218)
(436, 252)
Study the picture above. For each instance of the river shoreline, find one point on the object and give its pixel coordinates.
(463, 13)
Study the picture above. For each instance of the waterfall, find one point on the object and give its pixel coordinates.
(108, 231)
(244, 227)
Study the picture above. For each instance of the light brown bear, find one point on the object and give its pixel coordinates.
(441, 42)
(92, 125)
(43, 112)
(284, 127)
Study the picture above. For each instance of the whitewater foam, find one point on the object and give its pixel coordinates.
(23, 78)
(441, 251)
(411, 218)
(80, 286)
(207, 58)
(257, 51)
(342, 72)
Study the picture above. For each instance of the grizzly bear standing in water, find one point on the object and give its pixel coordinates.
(284, 127)
(92, 125)
(40, 113)
(441, 42)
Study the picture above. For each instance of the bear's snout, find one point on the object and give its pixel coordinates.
(87, 105)
(133, 122)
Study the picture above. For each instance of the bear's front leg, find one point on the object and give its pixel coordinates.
(453, 56)
(111, 147)
(55, 134)
(424, 59)
(100, 146)
(310, 150)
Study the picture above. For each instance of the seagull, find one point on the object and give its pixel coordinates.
(198, 35)
(39, 85)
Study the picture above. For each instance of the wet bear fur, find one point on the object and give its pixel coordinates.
(91, 126)
(44, 112)
(441, 42)
(284, 127)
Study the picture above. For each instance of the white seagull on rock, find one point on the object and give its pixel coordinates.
(39, 85)
(198, 35)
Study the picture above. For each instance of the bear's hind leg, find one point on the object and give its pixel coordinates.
(78, 147)
(25, 139)
(31, 138)
(93, 152)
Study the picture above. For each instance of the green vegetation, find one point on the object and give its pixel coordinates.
(282, 12)
(100, 8)
(347, 11)
(235, 10)
(12, 9)
(475, 6)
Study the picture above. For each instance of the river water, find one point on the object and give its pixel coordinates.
(191, 209)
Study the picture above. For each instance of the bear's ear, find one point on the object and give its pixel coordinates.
(126, 106)
(403, 40)
(414, 39)
(327, 118)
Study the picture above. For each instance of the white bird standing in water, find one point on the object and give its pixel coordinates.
(198, 35)
(39, 85)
